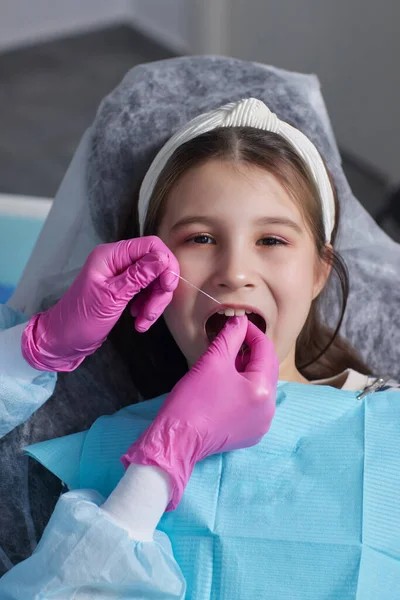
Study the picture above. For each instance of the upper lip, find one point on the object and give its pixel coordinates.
(225, 305)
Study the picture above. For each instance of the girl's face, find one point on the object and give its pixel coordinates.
(238, 235)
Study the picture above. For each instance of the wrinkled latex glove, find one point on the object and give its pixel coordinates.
(213, 408)
(60, 338)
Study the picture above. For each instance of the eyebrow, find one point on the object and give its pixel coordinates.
(263, 221)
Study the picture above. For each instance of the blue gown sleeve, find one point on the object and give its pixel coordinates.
(22, 389)
(83, 554)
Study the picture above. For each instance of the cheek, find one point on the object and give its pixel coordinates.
(295, 278)
(294, 285)
(176, 309)
(178, 313)
(193, 267)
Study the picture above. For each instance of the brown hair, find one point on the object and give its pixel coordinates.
(320, 351)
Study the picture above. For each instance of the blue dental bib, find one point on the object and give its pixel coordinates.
(310, 513)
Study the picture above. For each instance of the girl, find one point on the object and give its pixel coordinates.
(240, 204)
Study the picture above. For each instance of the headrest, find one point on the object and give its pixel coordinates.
(132, 124)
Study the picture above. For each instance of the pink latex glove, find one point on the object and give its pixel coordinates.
(60, 338)
(213, 408)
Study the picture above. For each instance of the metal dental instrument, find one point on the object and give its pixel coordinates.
(194, 286)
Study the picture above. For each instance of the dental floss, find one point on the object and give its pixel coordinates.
(194, 286)
(243, 351)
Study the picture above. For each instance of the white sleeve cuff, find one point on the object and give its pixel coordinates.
(139, 500)
(12, 363)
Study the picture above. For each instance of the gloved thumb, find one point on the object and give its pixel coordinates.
(230, 339)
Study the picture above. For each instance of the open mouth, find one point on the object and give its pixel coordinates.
(216, 322)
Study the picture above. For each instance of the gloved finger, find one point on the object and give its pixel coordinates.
(230, 339)
(139, 301)
(260, 347)
(242, 359)
(127, 252)
(168, 281)
(152, 307)
(263, 359)
(137, 276)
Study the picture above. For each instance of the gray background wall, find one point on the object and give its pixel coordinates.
(165, 20)
(27, 21)
(354, 48)
(352, 45)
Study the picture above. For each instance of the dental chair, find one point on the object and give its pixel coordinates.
(132, 123)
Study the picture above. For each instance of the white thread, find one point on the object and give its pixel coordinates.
(194, 286)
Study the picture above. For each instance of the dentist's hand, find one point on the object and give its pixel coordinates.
(60, 338)
(213, 408)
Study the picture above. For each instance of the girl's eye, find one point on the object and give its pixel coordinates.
(201, 239)
(206, 239)
(272, 241)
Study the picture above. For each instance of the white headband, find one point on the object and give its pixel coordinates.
(251, 113)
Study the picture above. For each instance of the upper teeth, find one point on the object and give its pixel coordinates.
(232, 312)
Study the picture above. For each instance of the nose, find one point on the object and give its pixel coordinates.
(234, 270)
